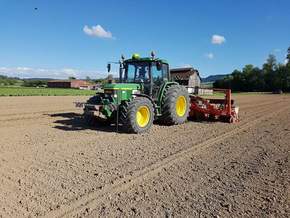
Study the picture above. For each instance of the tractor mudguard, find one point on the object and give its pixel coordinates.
(162, 91)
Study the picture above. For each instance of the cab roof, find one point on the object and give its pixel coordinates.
(146, 59)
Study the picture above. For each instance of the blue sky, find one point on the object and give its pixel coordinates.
(78, 37)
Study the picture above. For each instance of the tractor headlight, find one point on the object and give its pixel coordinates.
(111, 92)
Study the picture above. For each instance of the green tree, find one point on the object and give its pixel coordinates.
(272, 77)
(269, 69)
(288, 70)
(88, 79)
(8, 81)
(236, 81)
(34, 83)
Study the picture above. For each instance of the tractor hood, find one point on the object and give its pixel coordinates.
(122, 86)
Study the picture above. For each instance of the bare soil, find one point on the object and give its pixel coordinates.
(52, 165)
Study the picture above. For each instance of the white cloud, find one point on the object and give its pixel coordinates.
(62, 73)
(277, 50)
(70, 72)
(209, 55)
(97, 31)
(217, 39)
(286, 61)
(23, 68)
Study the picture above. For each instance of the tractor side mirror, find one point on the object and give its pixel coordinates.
(159, 66)
(109, 67)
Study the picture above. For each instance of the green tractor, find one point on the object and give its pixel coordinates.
(143, 94)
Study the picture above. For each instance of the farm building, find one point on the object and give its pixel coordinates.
(187, 76)
(90, 87)
(68, 83)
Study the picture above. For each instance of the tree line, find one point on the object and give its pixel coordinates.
(273, 76)
(8, 81)
(15, 81)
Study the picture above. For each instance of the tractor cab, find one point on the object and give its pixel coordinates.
(150, 73)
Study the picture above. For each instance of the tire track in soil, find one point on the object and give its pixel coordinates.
(50, 170)
(263, 110)
(251, 115)
(60, 155)
(29, 116)
(43, 114)
(94, 198)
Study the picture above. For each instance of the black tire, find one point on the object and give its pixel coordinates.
(169, 110)
(128, 115)
(88, 115)
(96, 99)
(89, 118)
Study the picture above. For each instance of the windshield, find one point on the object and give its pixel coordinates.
(137, 72)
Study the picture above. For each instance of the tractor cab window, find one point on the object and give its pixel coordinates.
(165, 71)
(137, 72)
(159, 75)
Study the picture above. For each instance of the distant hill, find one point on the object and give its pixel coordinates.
(213, 78)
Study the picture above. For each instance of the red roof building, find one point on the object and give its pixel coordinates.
(67, 83)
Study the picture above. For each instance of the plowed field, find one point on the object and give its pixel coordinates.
(52, 165)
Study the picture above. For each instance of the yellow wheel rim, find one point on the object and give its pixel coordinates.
(180, 106)
(143, 116)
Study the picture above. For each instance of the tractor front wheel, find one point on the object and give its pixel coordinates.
(137, 115)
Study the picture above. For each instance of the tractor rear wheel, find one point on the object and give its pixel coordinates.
(137, 115)
(175, 105)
